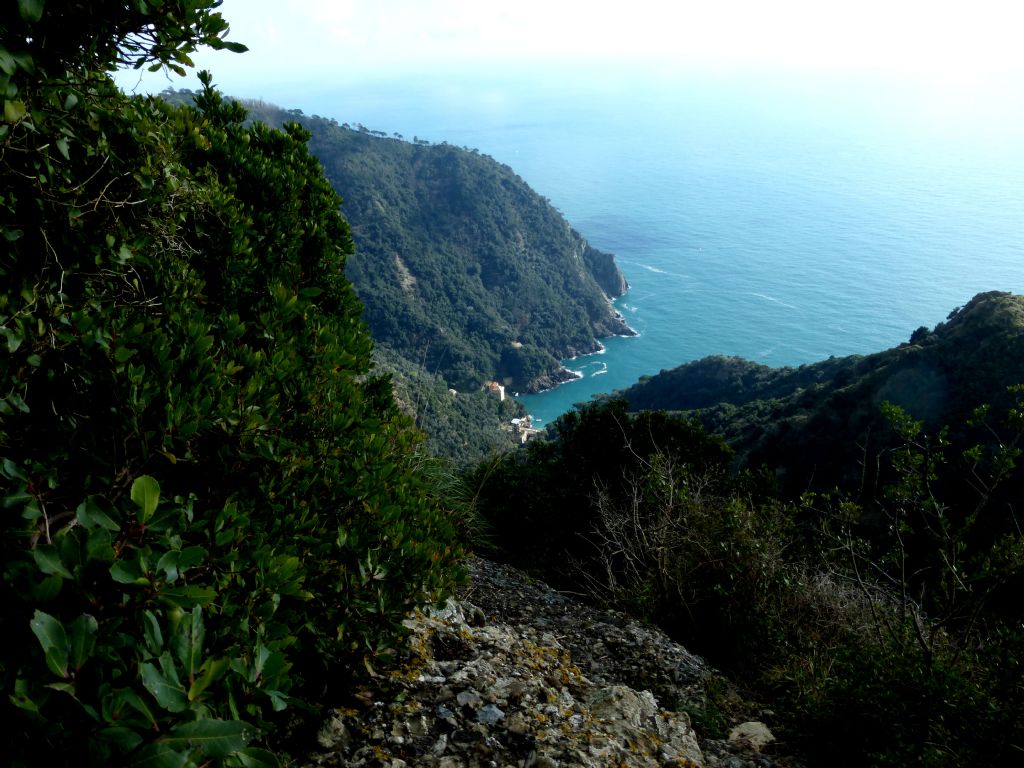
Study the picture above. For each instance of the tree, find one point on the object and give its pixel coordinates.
(211, 510)
(48, 38)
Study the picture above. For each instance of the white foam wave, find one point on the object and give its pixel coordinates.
(773, 300)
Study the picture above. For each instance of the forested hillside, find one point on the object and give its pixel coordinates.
(460, 265)
(820, 425)
(462, 426)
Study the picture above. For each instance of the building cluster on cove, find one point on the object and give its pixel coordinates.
(522, 428)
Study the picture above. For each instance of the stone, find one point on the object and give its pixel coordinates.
(541, 682)
(469, 699)
(618, 702)
(489, 715)
(440, 745)
(754, 736)
(334, 735)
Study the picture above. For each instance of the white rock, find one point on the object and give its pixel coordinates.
(752, 735)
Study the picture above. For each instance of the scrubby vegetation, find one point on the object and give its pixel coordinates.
(212, 513)
(885, 632)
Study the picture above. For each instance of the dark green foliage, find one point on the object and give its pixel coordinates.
(819, 426)
(459, 262)
(639, 512)
(881, 635)
(936, 677)
(52, 40)
(211, 512)
(717, 379)
(598, 448)
(464, 427)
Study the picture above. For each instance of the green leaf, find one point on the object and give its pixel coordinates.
(14, 339)
(253, 757)
(217, 739)
(48, 588)
(114, 708)
(49, 561)
(153, 634)
(62, 147)
(99, 547)
(186, 597)
(54, 641)
(70, 102)
(7, 63)
(21, 699)
(127, 572)
(169, 693)
(91, 516)
(13, 471)
(15, 399)
(125, 739)
(278, 700)
(191, 557)
(83, 639)
(168, 563)
(14, 111)
(187, 642)
(161, 755)
(31, 10)
(146, 493)
(25, 62)
(211, 671)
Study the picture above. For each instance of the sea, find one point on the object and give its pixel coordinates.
(782, 218)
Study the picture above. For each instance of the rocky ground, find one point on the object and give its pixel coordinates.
(512, 673)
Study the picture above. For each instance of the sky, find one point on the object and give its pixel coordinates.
(968, 44)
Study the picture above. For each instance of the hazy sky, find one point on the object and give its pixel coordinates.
(961, 44)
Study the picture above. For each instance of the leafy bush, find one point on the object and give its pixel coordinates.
(935, 678)
(211, 512)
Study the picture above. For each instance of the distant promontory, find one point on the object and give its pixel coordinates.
(462, 267)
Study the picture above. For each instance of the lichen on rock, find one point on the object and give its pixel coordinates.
(514, 681)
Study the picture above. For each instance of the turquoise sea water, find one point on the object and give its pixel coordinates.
(783, 221)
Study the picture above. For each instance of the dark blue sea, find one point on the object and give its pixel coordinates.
(781, 219)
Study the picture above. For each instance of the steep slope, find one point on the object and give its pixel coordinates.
(773, 416)
(465, 427)
(459, 263)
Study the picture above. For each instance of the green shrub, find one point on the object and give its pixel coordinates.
(210, 512)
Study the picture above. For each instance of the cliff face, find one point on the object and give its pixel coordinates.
(605, 271)
(461, 266)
